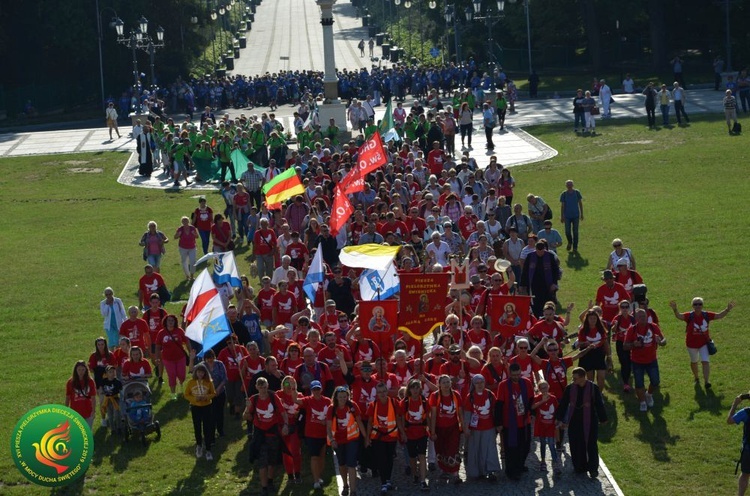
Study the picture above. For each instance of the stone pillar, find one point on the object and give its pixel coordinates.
(330, 81)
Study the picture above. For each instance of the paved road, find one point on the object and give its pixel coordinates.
(287, 35)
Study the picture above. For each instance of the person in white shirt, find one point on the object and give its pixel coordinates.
(678, 97)
(112, 116)
(437, 251)
(605, 97)
(628, 85)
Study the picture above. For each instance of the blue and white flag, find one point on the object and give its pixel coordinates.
(315, 275)
(225, 268)
(386, 282)
(205, 312)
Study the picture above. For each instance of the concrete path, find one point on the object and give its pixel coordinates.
(287, 35)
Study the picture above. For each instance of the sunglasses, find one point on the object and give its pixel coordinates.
(523, 347)
(697, 304)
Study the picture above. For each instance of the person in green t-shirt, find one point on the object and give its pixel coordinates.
(332, 132)
(501, 105)
(370, 129)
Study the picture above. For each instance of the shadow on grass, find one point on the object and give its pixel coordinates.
(195, 482)
(173, 410)
(607, 431)
(707, 402)
(72, 489)
(654, 429)
(181, 291)
(576, 262)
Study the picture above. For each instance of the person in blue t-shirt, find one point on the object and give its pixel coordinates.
(743, 416)
(571, 203)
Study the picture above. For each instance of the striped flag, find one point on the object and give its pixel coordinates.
(283, 186)
(205, 312)
(315, 274)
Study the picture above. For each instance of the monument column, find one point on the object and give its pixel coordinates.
(330, 81)
(331, 108)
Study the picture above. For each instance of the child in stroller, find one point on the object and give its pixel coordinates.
(139, 411)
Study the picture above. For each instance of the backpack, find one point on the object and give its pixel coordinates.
(737, 128)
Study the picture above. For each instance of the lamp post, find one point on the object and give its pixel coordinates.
(100, 36)
(214, 15)
(528, 28)
(451, 17)
(407, 4)
(139, 39)
(490, 18)
(398, 19)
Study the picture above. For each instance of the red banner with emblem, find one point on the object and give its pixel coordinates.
(508, 314)
(422, 306)
(378, 320)
(341, 211)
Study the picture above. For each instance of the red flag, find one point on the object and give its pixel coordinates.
(342, 210)
(378, 320)
(422, 302)
(371, 155)
(352, 182)
(509, 314)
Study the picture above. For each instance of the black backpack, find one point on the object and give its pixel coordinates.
(737, 128)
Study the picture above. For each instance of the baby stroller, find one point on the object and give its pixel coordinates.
(138, 411)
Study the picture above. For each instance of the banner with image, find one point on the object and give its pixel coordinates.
(508, 314)
(422, 306)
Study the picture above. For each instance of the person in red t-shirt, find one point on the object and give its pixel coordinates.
(264, 302)
(221, 234)
(593, 334)
(394, 226)
(337, 357)
(232, 357)
(80, 392)
(149, 284)
(467, 223)
(481, 435)
(435, 159)
(619, 327)
(457, 368)
(414, 421)
(292, 457)
(609, 295)
(284, 305)
(203, 219)
(697, 335)
(317, 425)
(383, 433)
(136, 330)
(171, 353)
(264, 248)
(545, 406)
(298, 252)
(494, 371)
(479, 336)
(641, 340)
(627, 277)
(344, 428)
(270, 422)
(154, 317)
(514, 397)
(446, 425)
(136, 368)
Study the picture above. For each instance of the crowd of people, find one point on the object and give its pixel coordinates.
(299, 370)
(301, 373)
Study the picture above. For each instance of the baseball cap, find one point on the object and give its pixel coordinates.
(316, 385)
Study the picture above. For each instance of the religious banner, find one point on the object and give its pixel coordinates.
(509, 314)
(342, 210)
(460, 274)
(422, 306)
(378, 320)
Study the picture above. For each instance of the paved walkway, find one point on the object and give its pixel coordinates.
(273, 46)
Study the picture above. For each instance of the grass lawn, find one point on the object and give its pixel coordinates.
(670, 194)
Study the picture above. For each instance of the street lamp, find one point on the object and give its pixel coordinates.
(451, 17)
(528, 28)
(491, 18)
(100, 36)
(139, 39)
